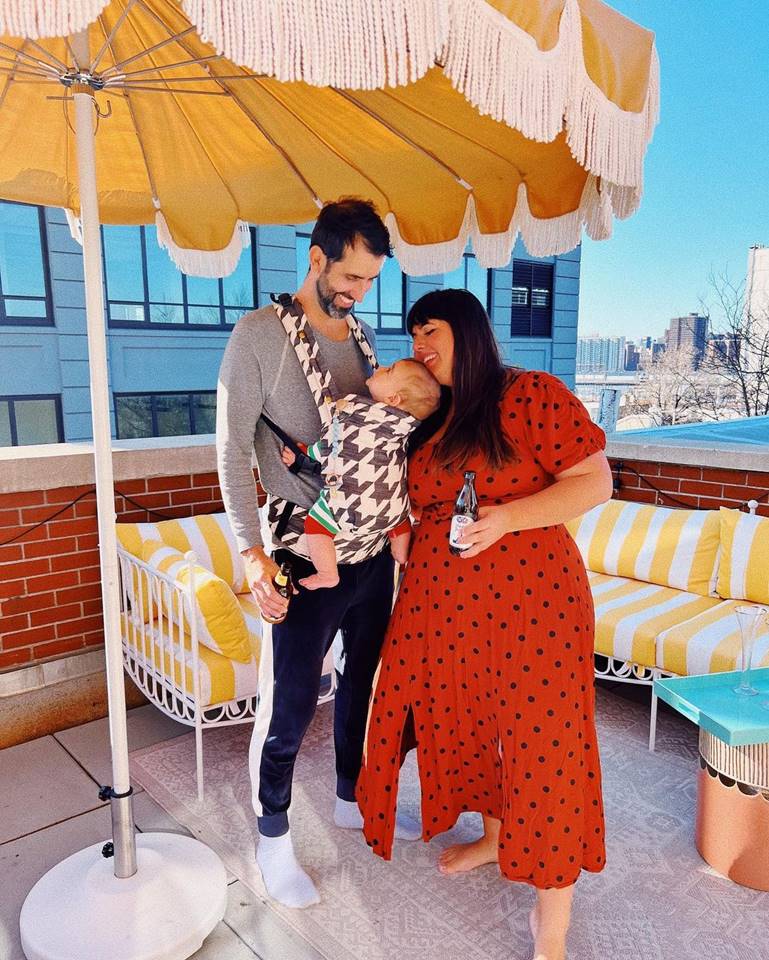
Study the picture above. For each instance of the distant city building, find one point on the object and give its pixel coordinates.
(688, 333)
(632, 356)
(722, 347)
(757, 283)
(757, 299)
(649, 350)
(600, 354)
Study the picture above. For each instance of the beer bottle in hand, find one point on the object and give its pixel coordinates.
(284, 585)
(465, 511)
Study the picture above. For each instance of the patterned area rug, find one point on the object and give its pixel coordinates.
(656, 898)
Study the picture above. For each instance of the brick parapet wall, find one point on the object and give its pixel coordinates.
(688, 485)
(50, 603)
(50, 583)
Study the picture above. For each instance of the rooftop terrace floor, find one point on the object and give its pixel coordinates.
(39, 826)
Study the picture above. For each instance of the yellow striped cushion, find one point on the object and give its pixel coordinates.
(674, 548)
(710, 643)
(221, 679)
(629, 614)
(208, 536)
(744, 570)
(218, 618)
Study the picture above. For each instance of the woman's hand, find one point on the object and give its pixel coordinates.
(492, 524)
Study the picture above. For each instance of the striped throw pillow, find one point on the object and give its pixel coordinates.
(218, 618)
(208, 536)
(674, 548)
(744, 571)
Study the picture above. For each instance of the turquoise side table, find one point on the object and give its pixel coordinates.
(709, 701)
(732, 829)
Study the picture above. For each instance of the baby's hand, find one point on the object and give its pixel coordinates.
(399, 547)
(287, 456)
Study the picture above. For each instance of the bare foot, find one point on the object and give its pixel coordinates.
(318, 580)
(467, 856)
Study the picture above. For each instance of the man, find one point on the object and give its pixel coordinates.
(262, 373)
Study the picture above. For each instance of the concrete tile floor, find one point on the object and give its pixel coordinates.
(49, 809)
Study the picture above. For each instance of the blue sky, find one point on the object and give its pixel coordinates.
(706, 193)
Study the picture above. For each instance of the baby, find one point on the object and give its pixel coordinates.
(362, 454)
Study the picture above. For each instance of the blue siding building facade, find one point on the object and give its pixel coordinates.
(166, 333)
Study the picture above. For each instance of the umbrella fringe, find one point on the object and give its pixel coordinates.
(194, 263)
(47, 18)
(542, 237)
(499, 69)
(604, 139)
(75, 226)
(431, 258)
(204, 263)
(356, 44)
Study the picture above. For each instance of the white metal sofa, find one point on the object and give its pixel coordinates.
(191, 631)
(665, 583)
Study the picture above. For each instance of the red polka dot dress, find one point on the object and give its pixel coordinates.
(493, 657)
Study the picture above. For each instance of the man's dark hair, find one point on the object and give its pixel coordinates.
(339, 224)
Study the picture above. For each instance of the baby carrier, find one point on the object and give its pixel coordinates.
(374, 498)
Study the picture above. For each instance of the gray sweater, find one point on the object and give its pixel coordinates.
(260, 373)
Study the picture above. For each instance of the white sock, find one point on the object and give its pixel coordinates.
(347, 814)
(284, 878)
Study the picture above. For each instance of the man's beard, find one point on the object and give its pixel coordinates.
(326, 296)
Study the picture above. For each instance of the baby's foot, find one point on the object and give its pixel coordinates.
(319, 580)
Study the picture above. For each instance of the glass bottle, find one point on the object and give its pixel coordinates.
(284, 585)
(465, 512)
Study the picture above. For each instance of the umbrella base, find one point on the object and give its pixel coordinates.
(80, 911)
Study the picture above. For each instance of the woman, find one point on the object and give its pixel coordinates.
(490, 653)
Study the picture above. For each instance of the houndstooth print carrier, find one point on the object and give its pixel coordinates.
(372, 486)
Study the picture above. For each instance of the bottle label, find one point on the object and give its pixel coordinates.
(458, 522)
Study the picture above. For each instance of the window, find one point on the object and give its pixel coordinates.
(25, 289)
(532, 311)
(302, 257)
(164, 414)
(469, 275)
(29, 420)
(144, 287)
(382, 307)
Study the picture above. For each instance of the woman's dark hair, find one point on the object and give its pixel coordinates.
(479, 380)
(339, 224)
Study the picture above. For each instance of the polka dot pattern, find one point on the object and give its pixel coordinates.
(491, 659)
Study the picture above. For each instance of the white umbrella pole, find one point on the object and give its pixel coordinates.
(122, 818)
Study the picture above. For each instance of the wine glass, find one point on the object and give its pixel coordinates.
(748, 617)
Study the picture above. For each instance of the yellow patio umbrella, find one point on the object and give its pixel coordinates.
(464, 120)
(461, 119)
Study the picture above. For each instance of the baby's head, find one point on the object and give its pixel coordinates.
(408, 385)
